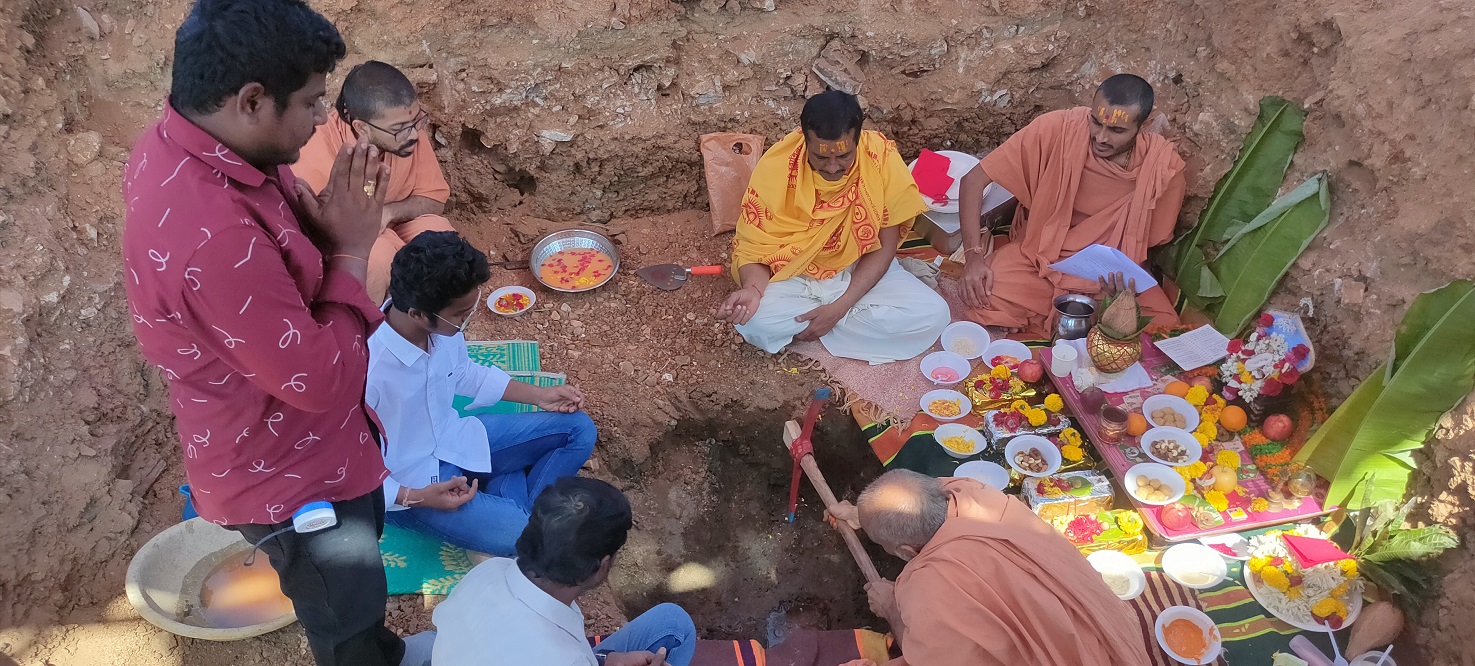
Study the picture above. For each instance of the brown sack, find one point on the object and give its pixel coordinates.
(729, 158)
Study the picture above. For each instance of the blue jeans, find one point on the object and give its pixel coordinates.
(665, 626)
(529, 452)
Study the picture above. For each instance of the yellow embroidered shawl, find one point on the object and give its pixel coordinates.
(798, 223)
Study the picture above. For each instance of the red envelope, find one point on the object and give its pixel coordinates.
(1310, 552)
(931, 176)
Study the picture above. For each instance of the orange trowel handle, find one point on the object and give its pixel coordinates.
(708, 270)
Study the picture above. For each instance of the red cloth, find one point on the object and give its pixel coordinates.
(1311, 552)
(931, 175)
(264, 352)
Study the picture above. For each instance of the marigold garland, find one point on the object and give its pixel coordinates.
(1018, 406)
(1037, 417)
(1191, 471)
(999, 372)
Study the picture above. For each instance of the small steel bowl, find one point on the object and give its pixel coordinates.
(573, 239)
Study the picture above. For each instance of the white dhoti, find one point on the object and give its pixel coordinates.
(897, 319)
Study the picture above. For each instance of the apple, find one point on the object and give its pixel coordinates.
(1206, 382)
(1031, 371)
(1176, 517)
(1277, 427)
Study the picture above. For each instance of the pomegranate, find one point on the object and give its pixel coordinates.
(1277, 427)
(1092, 399)
(1031, 371)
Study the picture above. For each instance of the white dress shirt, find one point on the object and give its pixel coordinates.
(497, 616)
(411, 391)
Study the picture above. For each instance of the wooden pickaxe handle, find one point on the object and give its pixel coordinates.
(852, 540)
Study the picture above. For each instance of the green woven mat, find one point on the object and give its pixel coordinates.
(418, 564)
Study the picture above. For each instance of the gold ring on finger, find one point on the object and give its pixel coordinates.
(369, 188)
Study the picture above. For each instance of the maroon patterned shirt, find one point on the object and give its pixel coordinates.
(265, 352)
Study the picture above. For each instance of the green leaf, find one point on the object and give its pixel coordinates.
(1253, 261)
(1249, 186)
(1390, 415)
(1414, 544)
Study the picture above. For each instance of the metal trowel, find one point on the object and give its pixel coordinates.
(670, 277)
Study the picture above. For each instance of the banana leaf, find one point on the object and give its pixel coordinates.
(1245, 190)
(1256, 257)
(1372, 436)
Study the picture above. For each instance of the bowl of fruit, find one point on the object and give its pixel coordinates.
(511, 301)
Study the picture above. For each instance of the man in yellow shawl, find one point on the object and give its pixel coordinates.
(1083, 176)
(815, 252)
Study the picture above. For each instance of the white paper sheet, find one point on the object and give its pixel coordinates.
(1196, 348)
(1086, 375)
(1098, 261)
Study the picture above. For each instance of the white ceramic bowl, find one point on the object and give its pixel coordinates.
(974, 437)
(1163, 474)
(1196, 616)
(511, 289)
(1189, 412)
(165, 576)
(1184, 439)
(1111, 561)
(945, 360)
(1371, 659)
(964, 404)
(1013, 348)
(1194, 565)
(985, 472)
(1025, 443)
(959, 336)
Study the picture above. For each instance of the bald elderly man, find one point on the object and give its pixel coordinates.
(987, 582)
(380, 101)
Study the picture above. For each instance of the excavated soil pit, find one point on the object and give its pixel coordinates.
(557, 113)
(712, 533)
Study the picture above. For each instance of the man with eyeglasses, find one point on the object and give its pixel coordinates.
(417, 365)
(378, 101)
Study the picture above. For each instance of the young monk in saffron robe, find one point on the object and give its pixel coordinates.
(1083, 176)
(987, 582)
(815, 249)
(380, 101)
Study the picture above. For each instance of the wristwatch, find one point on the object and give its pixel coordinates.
(600, 657)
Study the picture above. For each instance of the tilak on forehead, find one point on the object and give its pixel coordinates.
(1107, 114)
(831, 148)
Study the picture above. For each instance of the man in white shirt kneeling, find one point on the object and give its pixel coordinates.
(524, 611)
(417, 365)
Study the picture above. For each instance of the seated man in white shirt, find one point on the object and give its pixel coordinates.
(417, 365)
(524, 611)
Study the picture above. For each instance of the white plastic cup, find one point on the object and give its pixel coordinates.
(1063, 360)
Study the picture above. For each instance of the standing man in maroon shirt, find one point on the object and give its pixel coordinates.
(248, 293)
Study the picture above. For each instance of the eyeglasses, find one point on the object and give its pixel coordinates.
(462, 326)
(404, 133)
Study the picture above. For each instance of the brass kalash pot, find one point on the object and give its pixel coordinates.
(1115, 342)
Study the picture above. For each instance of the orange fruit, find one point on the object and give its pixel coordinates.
(1136, 425)
(1177, 388)
(1233, 418)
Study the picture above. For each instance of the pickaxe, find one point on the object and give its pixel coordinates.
(801, 447)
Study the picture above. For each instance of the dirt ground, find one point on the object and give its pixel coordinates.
(558, 113)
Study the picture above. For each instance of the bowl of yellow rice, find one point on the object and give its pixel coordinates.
(960, 441)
